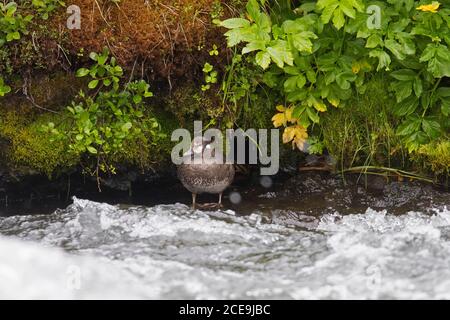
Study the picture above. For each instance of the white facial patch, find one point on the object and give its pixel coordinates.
(197, 149)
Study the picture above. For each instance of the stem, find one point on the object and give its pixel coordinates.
(431, 96)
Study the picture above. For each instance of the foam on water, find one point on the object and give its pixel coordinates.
(170, 251)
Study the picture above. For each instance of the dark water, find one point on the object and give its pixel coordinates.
(306, 238)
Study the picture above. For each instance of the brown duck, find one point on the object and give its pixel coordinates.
(206, 175)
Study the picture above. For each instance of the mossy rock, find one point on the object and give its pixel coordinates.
(30, 149)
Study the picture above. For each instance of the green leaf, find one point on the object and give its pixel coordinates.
(407, 106)
(93, 56)
(443, 92)
(416, 139)
(431, 128)
(404, 75)
(438, 58)
(344, 79)
(313, 115)
(445, 107)
(297, 95)
(402, 89)
(338, 18)
(347, 8)
(257, 45)
(409, 126)
(301, 81)
(280, 54)
(253, 9)
(302, 41)
(384, 60)
(92, 150)
(374, 41)
(207, 68)
(291, 70)
(234, 23)
(137, 99)
(297, 112)
(82, 72)
(293, 26)
(127, 126)
(418, 87)
(263, 59)
(395, 48)
(290, 84)
(295, 82)
(328, 7)
(93, 84)
(311, 75)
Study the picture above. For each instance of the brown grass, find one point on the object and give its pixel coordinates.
(160, 38)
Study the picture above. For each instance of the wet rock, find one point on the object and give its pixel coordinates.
(306, 183)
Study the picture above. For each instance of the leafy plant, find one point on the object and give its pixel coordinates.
(104, 71)
(4, 89)
(324, 52)
(45, 7)
(12, 24)
(210, 76)
(102, 123)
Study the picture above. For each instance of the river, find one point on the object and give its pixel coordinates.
(332, 243)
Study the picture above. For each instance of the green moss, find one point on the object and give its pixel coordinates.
(145, 153)
(30, 147)
(434, 156)
(187, 103)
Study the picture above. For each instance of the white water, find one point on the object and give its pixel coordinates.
(93, 250)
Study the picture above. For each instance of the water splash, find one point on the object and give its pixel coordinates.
(171, 251)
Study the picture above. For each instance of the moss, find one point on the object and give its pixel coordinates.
(31, 148)
(434, 156)
(146, 153)
(187, 103)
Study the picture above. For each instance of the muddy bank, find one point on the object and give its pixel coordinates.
(308, 193)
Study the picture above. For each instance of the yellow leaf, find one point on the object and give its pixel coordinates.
(356, 67)
(334, 101)
(283, 117)
(320, 106)
(281, 108)
(288, 134)
(316, 103)
(288, 114)
(297, 134)
(279, 120)
(433, 7)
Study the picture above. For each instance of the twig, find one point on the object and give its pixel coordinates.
(31, 99)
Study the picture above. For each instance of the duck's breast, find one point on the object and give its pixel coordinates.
(206, 178)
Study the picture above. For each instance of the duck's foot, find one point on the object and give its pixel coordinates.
(208, 206)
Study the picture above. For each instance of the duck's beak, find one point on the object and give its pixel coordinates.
(188, 153)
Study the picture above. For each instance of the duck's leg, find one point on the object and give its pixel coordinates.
(194, 197)
(220, 200)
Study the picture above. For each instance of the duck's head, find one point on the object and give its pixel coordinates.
(198, 146)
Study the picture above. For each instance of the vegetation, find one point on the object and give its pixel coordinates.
(374, 96)
(322, 54)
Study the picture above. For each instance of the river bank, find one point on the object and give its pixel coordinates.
(310, 192)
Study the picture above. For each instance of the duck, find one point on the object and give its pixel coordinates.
(206, 175)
